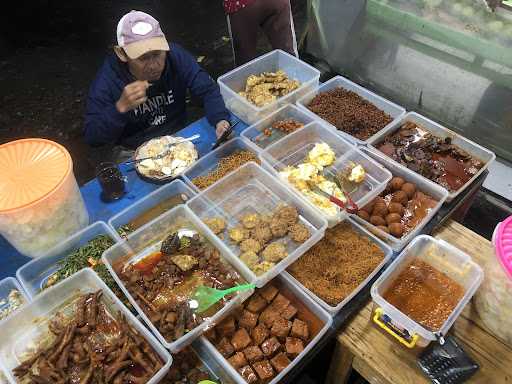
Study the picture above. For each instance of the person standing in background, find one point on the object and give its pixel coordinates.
(247, 17)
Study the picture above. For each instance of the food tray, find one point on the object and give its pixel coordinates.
(293, 149)
(233, 82)
(388, 253)
(31, 322)
(209, 162)
(424, 185)
(392, 109)
(149, 237)
(34, 274)
(248, 190)
(479, 152)
(308, 303)
(6, 286)
(255, 136)
(150, 201)
(445, 258)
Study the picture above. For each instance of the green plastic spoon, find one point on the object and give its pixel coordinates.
(207, 382)
(206, 296)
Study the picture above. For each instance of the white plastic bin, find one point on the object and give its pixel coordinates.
(30, 324)
(147, 239)
(34, 274)
(388, 253)
(308, 303)
(443, 257)
(423, 185)
(479, 152)
(234, 81)
(150, 202)
(392, 109)
(255, 133)
(293, 149)
(249, 190)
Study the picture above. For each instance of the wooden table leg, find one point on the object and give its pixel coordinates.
(341, 365)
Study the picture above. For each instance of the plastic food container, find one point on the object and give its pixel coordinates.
(308, 304)
(250, 190)
(443, 257)
(8, 285)
(40, 203)
(479, 152)
(293, 149)
(494, 298)
(424, 185)
(233, 82)
(148, 208)
(255, 133)
(23, 329)
(210, 162)
(388, 253)
(392, 109)
(149, 238)
(34, 275)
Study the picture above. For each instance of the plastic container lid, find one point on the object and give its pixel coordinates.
(31, 169)
(503, 244)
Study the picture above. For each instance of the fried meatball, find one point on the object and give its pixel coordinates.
(299, 233)
(251, 220)
(238, 234)
(262, 233)
(216, 224)
(274, 252)
(288, 214)
(250, 245)
(250, 259)
(278, 227)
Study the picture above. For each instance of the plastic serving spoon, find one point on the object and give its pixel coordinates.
(206, 296)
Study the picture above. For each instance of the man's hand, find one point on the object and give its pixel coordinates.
(134, 94)
(221, 127)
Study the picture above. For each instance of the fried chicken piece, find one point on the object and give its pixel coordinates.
(288, 214)
(250, 259)
(238, 234)
(262, 233)
(274, 252)
(263, 267)
(299, 233)
(278, 227)
(250, 245)
(216, 224)
(251, 220)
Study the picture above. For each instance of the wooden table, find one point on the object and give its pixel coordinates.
(380, 360)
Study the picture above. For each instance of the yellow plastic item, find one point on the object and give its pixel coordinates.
(376, 319)
(40, 203)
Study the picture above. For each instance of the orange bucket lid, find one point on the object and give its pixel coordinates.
(30, 170)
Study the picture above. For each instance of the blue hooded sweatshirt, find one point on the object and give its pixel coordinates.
(162, 114)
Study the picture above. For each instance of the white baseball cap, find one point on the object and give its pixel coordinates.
(139, 33)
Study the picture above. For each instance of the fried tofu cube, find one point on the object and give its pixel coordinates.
(240, 339)
(264, 369)
(238, 360)
(294, 346)
(281, 328)
(253, 354)
(280, 303)
(248, 374)
(259, 334)
(280, 362)
(227, 327)
(289, 313)
(248, 320)
(270, 346)
(225, 348)
(300, 330)
(256, 304)
(268, 316)
(268, 292)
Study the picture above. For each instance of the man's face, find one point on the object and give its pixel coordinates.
(148, 66)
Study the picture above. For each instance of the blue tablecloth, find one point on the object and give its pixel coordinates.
(11, 260)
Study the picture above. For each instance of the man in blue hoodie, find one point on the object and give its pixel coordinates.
(139, 92)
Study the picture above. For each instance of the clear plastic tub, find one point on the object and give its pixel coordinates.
(255, 133)
(210, 162)
(479, 152)
(293, 149)
(233, 82)
(146, 240)
(443, 257)
(148, 208)
(8, 285)
(306, 304)
(388, 253)
(423, 185)
(392, 109)
(21, 331)
(40, 202)
(250, 190)
(34, 274)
